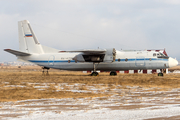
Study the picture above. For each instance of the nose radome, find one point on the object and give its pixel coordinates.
(172, 62)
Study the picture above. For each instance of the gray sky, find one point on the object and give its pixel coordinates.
(88, 24)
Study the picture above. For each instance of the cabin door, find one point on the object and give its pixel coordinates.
(140, 62)
(51, 61)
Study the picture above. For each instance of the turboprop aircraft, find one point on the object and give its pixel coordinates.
(88, 59)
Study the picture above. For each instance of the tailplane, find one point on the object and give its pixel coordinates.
(17, 53)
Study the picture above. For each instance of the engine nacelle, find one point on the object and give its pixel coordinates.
(110, 55)
(79, 58)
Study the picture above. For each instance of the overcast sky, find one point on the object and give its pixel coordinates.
(88, 24)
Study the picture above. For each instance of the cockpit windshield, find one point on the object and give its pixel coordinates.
(161, 55)
(158, 54)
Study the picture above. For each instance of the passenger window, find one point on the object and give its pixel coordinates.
(158, 54)
(126, 59)
(154, 54)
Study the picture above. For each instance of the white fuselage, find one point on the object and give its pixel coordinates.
(132, 60)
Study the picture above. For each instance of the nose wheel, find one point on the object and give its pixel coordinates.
(161, 73)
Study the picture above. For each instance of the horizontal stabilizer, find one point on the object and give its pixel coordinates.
(17, 53)
(88, 51)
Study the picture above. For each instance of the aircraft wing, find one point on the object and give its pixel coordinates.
(94, 55)
(88, 51)
(17, 53)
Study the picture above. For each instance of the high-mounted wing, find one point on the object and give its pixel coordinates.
(94, 55)
(17, 53)
(88, 51)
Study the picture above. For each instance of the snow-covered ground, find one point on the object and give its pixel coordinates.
(104, 114)
(134, 103)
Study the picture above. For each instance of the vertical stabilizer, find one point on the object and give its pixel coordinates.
(27, 40)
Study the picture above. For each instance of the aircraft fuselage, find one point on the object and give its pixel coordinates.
(131, 60)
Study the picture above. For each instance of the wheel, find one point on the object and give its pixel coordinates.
(113, 73)
(94, 74)
(160, 74)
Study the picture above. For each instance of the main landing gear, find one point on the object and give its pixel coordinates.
(94, 73)
(113, 73)
(45, 72)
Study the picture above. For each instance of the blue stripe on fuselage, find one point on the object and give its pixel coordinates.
(65, 61)
(143, 59)
(45, 61)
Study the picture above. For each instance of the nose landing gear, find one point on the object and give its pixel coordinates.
(161, 73)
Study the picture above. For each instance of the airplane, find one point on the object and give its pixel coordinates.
(87, 59)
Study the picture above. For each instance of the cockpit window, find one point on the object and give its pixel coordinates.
(158, 54)
(161, 54)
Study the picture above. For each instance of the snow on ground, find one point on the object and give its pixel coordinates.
(106, 114)
(176, 71)
(135, 104)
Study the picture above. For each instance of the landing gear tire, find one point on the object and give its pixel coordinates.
(113, 73)
(160, 74)
(94, 74)
(45, 72)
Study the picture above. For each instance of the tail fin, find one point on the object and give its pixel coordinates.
(28, 42)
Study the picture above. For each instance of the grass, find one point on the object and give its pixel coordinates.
(32, 93)
(21, 85)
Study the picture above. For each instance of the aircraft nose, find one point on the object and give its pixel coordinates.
(172, 62)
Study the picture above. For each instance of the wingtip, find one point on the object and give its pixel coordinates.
(6, 49)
